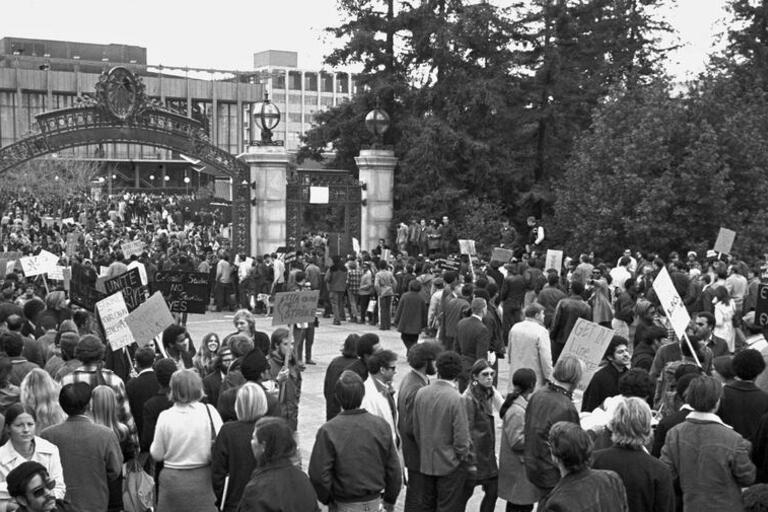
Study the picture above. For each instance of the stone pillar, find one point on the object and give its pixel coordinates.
(269, 166)
(377, 172)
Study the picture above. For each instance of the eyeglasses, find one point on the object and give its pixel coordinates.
(39, 492)
(487, 374)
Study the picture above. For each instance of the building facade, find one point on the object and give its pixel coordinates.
(300, 93)
(38, 76)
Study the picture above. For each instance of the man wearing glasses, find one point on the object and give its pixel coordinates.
(32, 488)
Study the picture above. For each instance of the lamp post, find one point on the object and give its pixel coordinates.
(186, 181)
(377, 122)
(266, 116)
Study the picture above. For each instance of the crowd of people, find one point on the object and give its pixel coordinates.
(664, 424)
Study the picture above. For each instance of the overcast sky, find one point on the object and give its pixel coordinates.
(224, 34)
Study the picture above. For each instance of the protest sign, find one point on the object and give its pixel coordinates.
(673, 305)
(112, 312)
(295, 307)
(40, 264)
(185, 292)
(587, 342)
(554, 260)
(386, 254)
(761, 307)
(8, 261)
(502, 255)
(129, 284)
(142, 271)
(724, 242)
(130, 248)
(149, 319)
(82, 289)
(467, 247)
(56, 273)
(71, 246)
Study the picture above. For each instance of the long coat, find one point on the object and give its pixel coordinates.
(513, 482)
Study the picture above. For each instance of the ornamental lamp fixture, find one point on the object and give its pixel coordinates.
(266, 116)
(377, 122)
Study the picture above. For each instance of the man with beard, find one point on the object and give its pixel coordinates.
(605, 383)
(30, 486)
(421, 358)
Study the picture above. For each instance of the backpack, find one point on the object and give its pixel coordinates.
(138, 489)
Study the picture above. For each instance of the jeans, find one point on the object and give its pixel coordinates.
(301, 336)
(445, 493)
(353, 311)
(360, 506)
(385, 313)
(337, 303)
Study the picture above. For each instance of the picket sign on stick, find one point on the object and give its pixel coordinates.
(724, 242)
(674, 307)
(554, 260)
(587, 342)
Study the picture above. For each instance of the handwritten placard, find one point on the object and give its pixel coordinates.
(149, 319)
(554, 260)
(673, 305)
(56, 273)
(142, 271)
(113, 312)
(188, 292)
(724, 242)
(587, 342)
(467, 247)
(130, 248)
(295, 307)
(129, 284)
(8, 261)
(40, 264)
(502, 255)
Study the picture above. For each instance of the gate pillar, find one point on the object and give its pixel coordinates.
(268, 170)
(377, 175)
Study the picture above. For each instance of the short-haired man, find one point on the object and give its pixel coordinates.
(705, 325)
(716, 485)
(30, 485)
(354, 460)
(421, 358)
(14, 345)
(529, 346)
(605, 382)
(473, 340)
(441, 430)
(143, 387)
(90, 454)
(379, 398)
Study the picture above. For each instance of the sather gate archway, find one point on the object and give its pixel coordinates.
(120, 111)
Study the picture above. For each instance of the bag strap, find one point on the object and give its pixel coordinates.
(210, 421)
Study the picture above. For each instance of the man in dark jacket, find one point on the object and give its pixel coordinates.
(743, 403)
(605, 383)
(473, 340)
(354, 460)
(512, 296)
(567, 312)
(29, 484)
(421, 358)
(143, 387)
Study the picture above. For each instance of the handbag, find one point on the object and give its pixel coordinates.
(138, 489)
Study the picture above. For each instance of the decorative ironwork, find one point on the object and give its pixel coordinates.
(341, 215)
(266, 115)
(120, 111)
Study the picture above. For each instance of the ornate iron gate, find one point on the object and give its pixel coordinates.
(339, 217)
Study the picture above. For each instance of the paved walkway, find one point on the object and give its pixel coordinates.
(328, 341)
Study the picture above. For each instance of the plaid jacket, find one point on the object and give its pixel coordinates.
(87, 374)
(353, 280)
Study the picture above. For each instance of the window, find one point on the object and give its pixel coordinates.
(310, 81)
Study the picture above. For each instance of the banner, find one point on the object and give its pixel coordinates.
(112, 312)
(129, 284)
(467, 247)
(724, 242)
(185, 292)
(502, 255)
(672, 303)
(131, 248)
(295, 307)
(554, 260)
(149, 319)
(587, 342)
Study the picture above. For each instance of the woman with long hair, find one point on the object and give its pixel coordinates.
(232, 456)
(41, 393)
(24, 445)
(725, 310)
(205, 358)
(284, 370)
(183, 441)
(514, 486)
(478, 399)
(104, 412)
